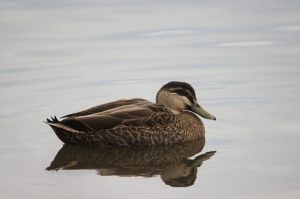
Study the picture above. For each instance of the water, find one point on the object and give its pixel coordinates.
(242, 58)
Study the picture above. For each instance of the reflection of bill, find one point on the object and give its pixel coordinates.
(184, 173)
(171, 162)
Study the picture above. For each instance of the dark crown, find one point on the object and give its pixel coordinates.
(181, 88)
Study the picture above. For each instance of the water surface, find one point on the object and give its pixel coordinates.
(242, 58)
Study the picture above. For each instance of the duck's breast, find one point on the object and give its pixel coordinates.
(191, 125)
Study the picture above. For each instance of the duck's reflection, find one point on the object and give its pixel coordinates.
(172, 162)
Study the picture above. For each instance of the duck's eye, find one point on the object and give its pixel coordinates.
(198, 105)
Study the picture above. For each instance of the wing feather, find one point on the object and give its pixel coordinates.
(107, 106)
(134, 112)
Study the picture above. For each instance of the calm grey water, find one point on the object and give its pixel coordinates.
(242, 57)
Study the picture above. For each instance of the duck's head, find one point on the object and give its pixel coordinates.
(179, 97)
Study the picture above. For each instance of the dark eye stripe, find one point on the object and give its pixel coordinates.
(183, 92)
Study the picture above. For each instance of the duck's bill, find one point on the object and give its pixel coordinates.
(196, 108)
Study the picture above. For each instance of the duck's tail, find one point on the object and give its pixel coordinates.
(65, 133)
(54, 122)
(75, 133)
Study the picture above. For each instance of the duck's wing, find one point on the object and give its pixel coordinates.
(107, 106)
(136, 113)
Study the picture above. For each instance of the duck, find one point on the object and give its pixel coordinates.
(137, 122)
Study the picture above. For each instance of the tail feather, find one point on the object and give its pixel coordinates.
(65, 133)
(52, 120)
(74, 133)
(57, 125)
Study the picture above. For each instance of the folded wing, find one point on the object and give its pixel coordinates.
(133, 112)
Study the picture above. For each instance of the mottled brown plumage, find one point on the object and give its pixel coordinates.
(136, 121)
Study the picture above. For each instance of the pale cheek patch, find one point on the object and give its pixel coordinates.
(180, 102)
(186, 101)
(174, 102)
